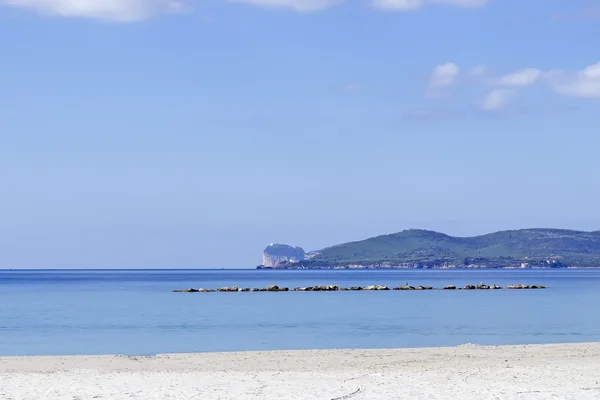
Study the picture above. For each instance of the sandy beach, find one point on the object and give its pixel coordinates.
(566, 371)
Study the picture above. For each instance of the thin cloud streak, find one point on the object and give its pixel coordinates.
(107, 10)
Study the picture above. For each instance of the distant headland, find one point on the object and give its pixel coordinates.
(416, 248)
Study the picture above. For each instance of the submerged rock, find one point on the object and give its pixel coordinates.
(190, 290)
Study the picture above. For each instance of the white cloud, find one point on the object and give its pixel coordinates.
(398, 4)
(497, 99)
(585, 83)
(296, 5)
(479, 70)
(442, 77)
(462, 3)
(407, 5)
(524, 77)
(582, 84)
(136, 10)
(110, 10)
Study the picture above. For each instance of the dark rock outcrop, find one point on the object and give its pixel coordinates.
(324, 288)
(521, 286)
(482, 286)
(190, 290)
(376, 287)
(228, 289)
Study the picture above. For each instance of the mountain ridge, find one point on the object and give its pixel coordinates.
(419, 248)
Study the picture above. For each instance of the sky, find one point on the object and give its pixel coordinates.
(191, 134)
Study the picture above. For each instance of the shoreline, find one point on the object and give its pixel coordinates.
(465, 372)
(401, 268)
(292, 269)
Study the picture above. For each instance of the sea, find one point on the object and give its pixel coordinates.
(135, 312)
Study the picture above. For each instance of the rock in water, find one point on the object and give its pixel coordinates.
(376, 287)
(228, 289)
(521, 286)
(405, 287)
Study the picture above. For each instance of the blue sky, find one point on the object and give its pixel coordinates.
(182, 134)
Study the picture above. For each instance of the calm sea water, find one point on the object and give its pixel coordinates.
(135, 312)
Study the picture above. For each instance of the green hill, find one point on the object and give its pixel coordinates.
(421, 248)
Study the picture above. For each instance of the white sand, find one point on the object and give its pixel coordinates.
(570, 371)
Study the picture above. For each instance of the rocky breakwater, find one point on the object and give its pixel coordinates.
(407, 287)
(483, 286)
(526, 287)
(324, 288)
(192, 290)
(335, 288)
(270, 288)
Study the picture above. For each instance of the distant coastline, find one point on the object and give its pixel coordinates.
(397, 267)
(421, 249)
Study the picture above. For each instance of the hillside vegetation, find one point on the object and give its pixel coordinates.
(535, 247)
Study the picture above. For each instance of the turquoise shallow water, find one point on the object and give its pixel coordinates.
(135, 312)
